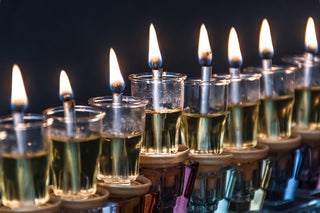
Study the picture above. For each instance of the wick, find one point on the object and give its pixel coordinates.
(234, 85)
(266, 64)
(21, 141)
(69, 115)
(309, 57)
(116, 98)
(156, 91)
(206, 72)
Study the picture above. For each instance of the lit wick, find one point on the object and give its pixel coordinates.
(311, 46)
(67, 97)
(19, 102)
(205, 59)
(266, 53)
(155, 61)
(117, 86)
(235, 61)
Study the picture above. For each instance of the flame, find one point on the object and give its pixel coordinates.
(19, 97)
(204, 49)
(116, 79)
(310, 41)
(265, 42)
(155, 59)
(234, 52)
(65, 87)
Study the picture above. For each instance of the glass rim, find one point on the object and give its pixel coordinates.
(30, 120)
(213, 81)
(300, 59)
(127, 102)
(166, 77)
(274, 69)
(242, 76)
(52, 113)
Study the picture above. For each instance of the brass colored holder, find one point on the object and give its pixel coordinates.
(282, 145)
(52, 206)
(99, 199)
(136, 188)
(165, 160)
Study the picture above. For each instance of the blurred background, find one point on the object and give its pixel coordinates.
(43, 37)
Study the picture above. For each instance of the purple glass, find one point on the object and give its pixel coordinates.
(171, 186)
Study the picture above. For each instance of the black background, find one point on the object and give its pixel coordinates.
(44, 36)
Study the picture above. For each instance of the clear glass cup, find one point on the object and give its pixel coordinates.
(24, 175)
(243, 106)
(74, 160)
(306, 108)
(123, 128)
(204, 132)
(277, 99)
(165, 102)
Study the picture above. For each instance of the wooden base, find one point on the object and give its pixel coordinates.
(99, 199)
(164, 160)
(210, 162)
(248, 154)
(52, 206)
(138, 187)
(282, 145)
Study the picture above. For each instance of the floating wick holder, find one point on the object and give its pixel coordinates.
(277, 98)
(203, 132)
(161, 134)
(307, 91)
(120, 144)
(243, 106)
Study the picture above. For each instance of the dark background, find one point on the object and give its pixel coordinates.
(44, 36)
